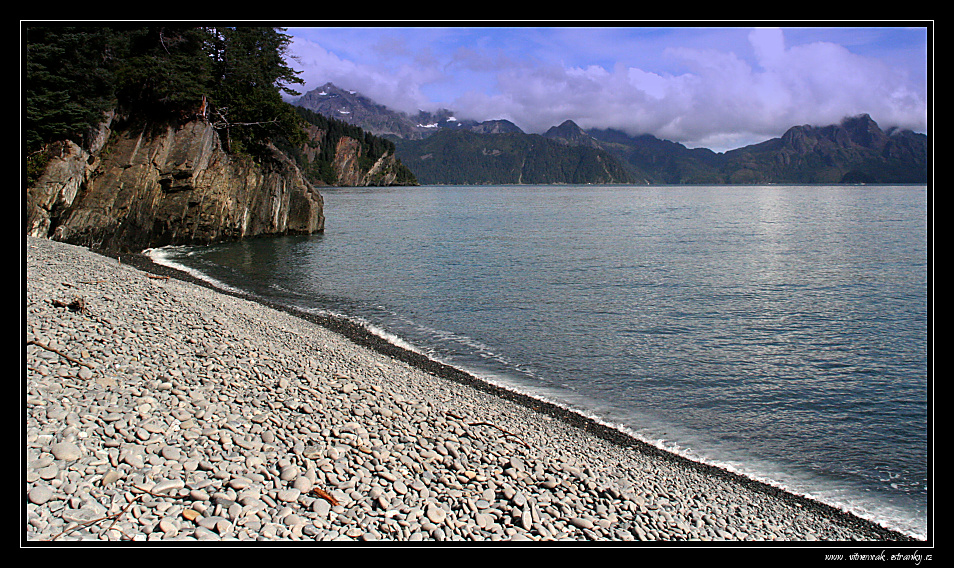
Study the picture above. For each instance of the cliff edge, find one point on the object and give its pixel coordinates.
(134, 188)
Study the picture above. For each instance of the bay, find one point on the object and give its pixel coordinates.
(777, 331)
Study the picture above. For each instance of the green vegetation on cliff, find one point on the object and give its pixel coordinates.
(234, 77)
(317, 155)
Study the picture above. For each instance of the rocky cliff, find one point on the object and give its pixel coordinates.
(347, 166)
(135, 188)
(350, 163)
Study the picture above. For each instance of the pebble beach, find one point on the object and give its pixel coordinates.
(159, 409)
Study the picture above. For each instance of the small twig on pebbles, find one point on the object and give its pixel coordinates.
(511, 434)
(60, 353)
(324, 495)
(114, 516)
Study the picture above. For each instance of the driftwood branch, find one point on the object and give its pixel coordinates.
(114, 517)
(224, 122)
(77, 305)
(324, 495)
(511, 434)
(58, 352)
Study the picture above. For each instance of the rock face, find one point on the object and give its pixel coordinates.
(167, 186)
(347, 166)
(351, 164)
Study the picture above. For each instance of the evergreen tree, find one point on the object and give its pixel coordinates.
(160, 74)
(162, 71)
(68, 82)
(250, 74)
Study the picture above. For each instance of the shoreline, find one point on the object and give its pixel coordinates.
(862, 530)
(362, 336)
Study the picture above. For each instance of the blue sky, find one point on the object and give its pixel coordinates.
(715, 87)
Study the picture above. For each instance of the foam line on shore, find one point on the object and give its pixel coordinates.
(381, 341)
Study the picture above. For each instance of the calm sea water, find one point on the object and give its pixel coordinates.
(780, 332)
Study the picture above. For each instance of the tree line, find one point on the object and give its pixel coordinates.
(234, 76)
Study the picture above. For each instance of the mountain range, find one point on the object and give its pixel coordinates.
(439, 148)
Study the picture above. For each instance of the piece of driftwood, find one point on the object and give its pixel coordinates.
(78, 304)
(114, 517)
(58, 352)
(324, 495)
(511, 434)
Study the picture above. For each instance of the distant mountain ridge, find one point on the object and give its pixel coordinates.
(465, 157)
(358, 110)
(854, 151)
(442, 149)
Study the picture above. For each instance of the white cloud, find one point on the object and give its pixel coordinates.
(399, 88)
(705, 96)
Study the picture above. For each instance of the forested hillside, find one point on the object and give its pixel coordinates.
(450, 157)
(317, 156)
(158, 74)
(234, 78)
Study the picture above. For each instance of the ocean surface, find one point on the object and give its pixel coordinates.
(780, 332)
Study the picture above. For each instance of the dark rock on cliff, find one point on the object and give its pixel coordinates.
(147, 187)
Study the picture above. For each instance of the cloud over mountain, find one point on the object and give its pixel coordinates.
(719, 88)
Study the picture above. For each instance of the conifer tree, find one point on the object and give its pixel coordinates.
(159, 74)
(162, 71)
(68, 82)
(250, 73)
